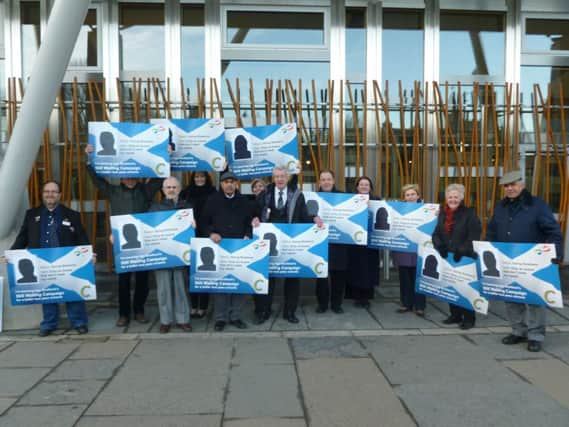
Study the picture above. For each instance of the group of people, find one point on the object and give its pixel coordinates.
(226, 213)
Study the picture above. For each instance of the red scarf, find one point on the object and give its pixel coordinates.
(449, 219)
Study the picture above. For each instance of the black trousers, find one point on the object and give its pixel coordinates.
(331, 289)
(200, 300)
(409, 298)
(463, 314)
(264, 303)
(140, 293)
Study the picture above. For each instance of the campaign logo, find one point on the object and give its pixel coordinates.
(259, 245)
(158, 129)
(287, 128)
(180, 216)
(543, 249)
(81, 251)
(214, 123)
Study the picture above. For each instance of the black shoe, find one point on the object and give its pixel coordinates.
(451, 320)
(219, 325)
(534, 346)
(513, 339)
(292, 318)
(338, 310)
(321, 309)
(466, 325)
(239, 324)
(366, 304)
(45, 332)
(82, 330)
(260, 319)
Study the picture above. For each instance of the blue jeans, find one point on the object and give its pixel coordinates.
(76, 312)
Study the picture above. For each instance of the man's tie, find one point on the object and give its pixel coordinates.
(280, 202)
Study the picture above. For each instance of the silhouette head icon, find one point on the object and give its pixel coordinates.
(312, 207)
(241, 151)
(107, 141)
(272, 238)
(381, 217)
(430, 269)
(207, 256)
(490, 263)
(26, 268)
(130, 234)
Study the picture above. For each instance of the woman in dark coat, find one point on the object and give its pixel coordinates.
(200, 188)
(456, 228)
(331, 289)
(407, 264)
(363, 262)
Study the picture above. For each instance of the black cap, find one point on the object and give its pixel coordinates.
(227, 175)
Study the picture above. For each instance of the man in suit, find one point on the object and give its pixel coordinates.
(52, 225)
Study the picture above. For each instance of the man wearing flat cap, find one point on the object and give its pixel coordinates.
(523, 218)
(228, 214)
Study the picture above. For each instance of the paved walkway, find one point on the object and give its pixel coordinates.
(363, 368)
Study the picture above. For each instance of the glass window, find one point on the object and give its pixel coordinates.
(546, 34)
(193, 42)
(356, 44)
(141, 37)
(471, 43)
(30, 22)
(85, 52)
(402, 32)
(281, 28)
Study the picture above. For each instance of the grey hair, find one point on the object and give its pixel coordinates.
(174, 178)
(280, 168)
(455, 187)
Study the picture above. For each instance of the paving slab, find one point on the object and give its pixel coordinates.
(265, 422)
(101, 369)
(352, 318)
(62, 393)
(5, 403)
(252, 392)
(15, 382)
(563, 312)
(349, 392)
(4, 345)
(492, 344)
(474, 404)
(151, 421)
(327, 347)
(281, 324)
(490, 320)
(551, 376)
(556, 344)
(107, 350)
(35, 354)
(435, 359)
(386, 314)
(192, 373)
(388, 292)
(45, 416)
(104, 319)
(262, 350)
(151, 314)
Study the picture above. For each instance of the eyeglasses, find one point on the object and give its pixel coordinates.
(50, 192)
(171, 187)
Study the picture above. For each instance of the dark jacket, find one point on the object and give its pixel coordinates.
(296, 205)
(526, 219)
(197, 197)
(70, 232)
(169, 205)
(466, 228)
(124, 200)
(230, 218)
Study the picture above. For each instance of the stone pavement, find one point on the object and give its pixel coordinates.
(362, 368)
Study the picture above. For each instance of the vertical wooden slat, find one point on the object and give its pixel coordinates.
(252, 98)
(356, 129)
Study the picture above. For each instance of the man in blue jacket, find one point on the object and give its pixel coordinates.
(523, 218)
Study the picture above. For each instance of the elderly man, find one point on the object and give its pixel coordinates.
(50, 226)
(171, 284)
(130, 197)
(228, 214)
(523, 218)
(282, 202)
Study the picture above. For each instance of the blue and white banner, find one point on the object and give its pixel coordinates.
(51, 275)
(450, 281)
(197, 144)
(401, 226)
(519, 272)
(254, 152)
(295, 250)
(152, 240)
(346, 214)
(129, 150)
(1, 303)
(234, 266)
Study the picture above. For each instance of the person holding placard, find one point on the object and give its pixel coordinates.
(457, 227)
(196, 194)
(330, 291)
(363, 265)
(129, 197)
(171, 283)
(407, 264)
(52, 225)
(523, 218)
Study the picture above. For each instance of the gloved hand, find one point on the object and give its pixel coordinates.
(443, 251)
(457, 256)
(473, 255)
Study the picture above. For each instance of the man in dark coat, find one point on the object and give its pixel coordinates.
(282, 202)
(51, 226)
(227, 214)
(130, 197)
(523, 218)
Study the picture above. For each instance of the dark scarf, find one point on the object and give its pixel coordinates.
(449, 219)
